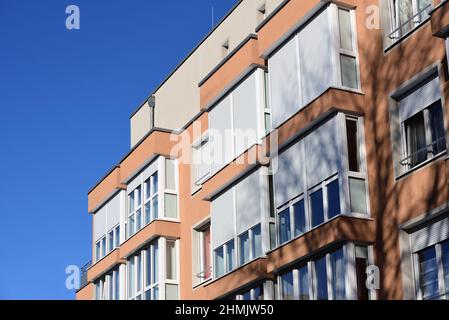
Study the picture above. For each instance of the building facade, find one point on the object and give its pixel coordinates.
(297, 152)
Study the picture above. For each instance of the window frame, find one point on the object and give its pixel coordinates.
(196, 148)
(417, 272)
(354, 53)
(153, 197)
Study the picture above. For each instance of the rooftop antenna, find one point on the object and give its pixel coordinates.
(213, 22)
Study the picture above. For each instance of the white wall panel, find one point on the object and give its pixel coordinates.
(315, 56)
(222, 218)
(284, 82)
(420, 98)
(288, 179)
(248, 194)
(100, 223)
(245, 114)
(322, 154)
(113, 211)
(220, 134)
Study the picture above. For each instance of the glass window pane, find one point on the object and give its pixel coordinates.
(207, 263)
(138, 196)
(428, 273)
(139, 272)
(155, 265)
(171, 205)
(219, 262)
(333, 199)
(287, 286)
(171, 292)
(445, 260)
(117, 236)
(171, 260)
(437, 128)
(170, 182)
(353, 145)
(110, 282)
(244, 248)
(284, 225)
(156, 293)
(321, 279)
(300, 217)
(103, 247)
(246, 296)
(148, 188)
(230, 256)
(357, 194)
(138, 220)
(131, 225)
(148, 294)
(272, 227)
(148, 212)
(111, 240)
(316, 200)
(258, 293)
(155, 204)
(131, 277)
(361, 262)
(257, 242)
(344, 18)
(131, 201)
(338, 275)
(98, 251)
(148, 266)
(349, 72)
(154, 179)
(117, 284)
(304, 284)
(416, 140)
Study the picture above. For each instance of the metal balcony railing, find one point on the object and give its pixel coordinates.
(422, 154)
(83, 279)
(410, 24)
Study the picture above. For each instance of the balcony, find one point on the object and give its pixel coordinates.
(104, 265)
(405, 20)
(84, 280)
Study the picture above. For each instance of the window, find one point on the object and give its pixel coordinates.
(287, 286)
(361, 263)
(284, 226)
(171, 263)
(143, 274)
(255, 294)
(424, 135)
(316, 200)
(224, 259)
(170, 193)
(338, 275)
(250, 244)
(113, 238)
(100, 289)
(357, 195)
(406, 15)
(267, 104)
(204, 253)
(333, 199)
(321, 279)
(348, 55)
(151, 198)
(292, 221)
(135, 211)
(353, 145)
(428, 273)
(230, 256)
(151, 272)
(108, 287)
(304, 285)
(433, 271)
(98, 255)
(200, 161)
(219, 262)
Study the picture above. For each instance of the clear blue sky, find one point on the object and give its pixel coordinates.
(65, 99)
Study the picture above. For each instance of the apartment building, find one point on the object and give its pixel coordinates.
(298, 149)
